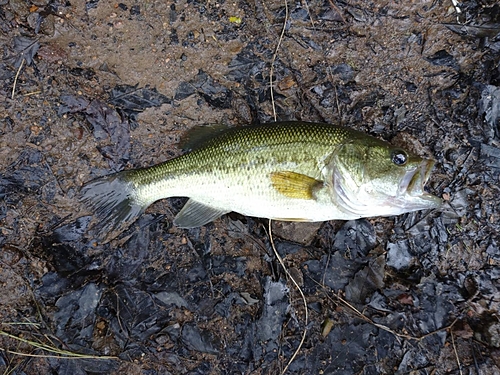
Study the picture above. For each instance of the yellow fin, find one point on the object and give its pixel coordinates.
(294, 185)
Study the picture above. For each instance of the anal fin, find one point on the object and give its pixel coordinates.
(195, 214)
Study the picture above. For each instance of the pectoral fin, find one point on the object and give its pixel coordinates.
(195, 214)
(295, 185)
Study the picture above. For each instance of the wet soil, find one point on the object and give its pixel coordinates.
(88, 88)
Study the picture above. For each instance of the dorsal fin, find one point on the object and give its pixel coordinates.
(198, 135)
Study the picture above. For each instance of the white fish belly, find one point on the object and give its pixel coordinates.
(251, 198)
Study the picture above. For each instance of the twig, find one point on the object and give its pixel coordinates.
(456, 353)
(332, 4)
(33, 93)
(306, 315)
(309, 13)
(15, 79)
(271, 71)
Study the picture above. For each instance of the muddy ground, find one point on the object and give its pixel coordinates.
(92, 87)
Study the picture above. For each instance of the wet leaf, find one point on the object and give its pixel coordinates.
(133, 316)
(135, 99)
(77, 310)
(25, 49)
(196, 339)
(490, 108)
(245, 65)
(366, 281)
(399, 256)
(108, 127)
(344, 71)
(214, 93)
(479, 31)
(85, 366)
(29, 174)
(184, 90)
(356, 237)
(443, 58)
(478, 21)
(275, 305)
(350, 348)
(334, 271)
(72, 104)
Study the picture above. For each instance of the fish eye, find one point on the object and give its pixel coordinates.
(399, 157)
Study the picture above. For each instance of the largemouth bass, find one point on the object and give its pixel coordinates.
(293, 171)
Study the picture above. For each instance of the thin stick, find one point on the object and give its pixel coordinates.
(309, 13)
(337, 10)
(15, 79)
(33, 93)
(306, 315)
(456, 353)
(271, 72)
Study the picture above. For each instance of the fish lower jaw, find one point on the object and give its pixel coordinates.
(386, 206)
(411, 203)
(426, 201)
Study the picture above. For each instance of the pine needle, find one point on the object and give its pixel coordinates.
(306, 315)
(271, 72)
(456, 353)
(15, 78)
(59, 353)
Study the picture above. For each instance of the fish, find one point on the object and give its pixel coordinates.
(287, 171)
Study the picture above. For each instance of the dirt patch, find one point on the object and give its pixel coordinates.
(94, 87)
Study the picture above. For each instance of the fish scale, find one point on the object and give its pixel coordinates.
(240, 154)
(286, 171)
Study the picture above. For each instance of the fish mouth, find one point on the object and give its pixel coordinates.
(408, 196)
(413, 183)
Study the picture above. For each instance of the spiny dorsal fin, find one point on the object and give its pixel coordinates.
(295, 185)
(198, 135)
(195, 214)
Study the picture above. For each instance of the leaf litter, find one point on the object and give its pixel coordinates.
(24, 49)
(414, 293)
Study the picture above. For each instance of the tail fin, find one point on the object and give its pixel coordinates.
(113, 200)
